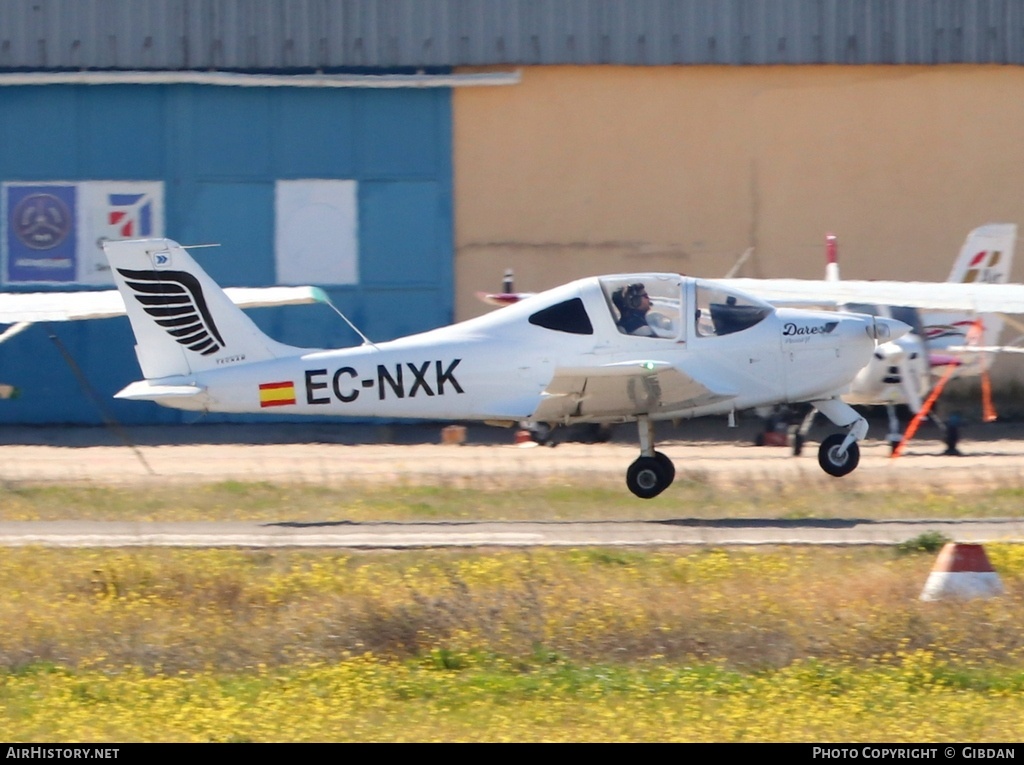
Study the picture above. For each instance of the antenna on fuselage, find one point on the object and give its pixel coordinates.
(366, 340)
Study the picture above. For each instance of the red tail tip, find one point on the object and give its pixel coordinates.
(830, 248)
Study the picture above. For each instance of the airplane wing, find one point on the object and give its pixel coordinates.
(25, 308)
(985, 349)
(622, 389)
(942, 296)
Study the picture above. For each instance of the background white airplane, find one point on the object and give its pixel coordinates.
(904, 370)
(557, 357)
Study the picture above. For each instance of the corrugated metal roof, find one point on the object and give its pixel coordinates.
(284, 35)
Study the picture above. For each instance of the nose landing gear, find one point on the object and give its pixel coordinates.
(835, 460)
(839, 453)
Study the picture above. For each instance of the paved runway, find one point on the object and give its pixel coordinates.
(725, 532)
(337, 456)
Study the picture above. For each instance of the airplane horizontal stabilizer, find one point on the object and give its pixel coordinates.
(144, 391)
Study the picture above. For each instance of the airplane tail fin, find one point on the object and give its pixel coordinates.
(182, 320)
(986, 256)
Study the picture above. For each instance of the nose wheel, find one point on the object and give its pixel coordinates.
(652, 472)
(836, 461)
(839, 454)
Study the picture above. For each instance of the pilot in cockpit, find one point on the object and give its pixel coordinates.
(633, 303)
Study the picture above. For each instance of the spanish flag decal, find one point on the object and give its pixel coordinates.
(277, 394)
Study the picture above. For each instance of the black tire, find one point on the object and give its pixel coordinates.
(670, 468)
(646, 477)
(829, 460)
(540, 432)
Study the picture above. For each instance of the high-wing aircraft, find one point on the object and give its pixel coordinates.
(903, 370)
(900, 371)
(561, 356)
(942, 316)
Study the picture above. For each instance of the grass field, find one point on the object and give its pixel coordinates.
(690, 497)
(675, 644)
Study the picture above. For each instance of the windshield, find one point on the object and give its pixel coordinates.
(722, 312)
(909, 316)
(645, 305)
(866, 308)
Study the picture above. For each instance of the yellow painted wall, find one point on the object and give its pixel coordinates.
(584, 170)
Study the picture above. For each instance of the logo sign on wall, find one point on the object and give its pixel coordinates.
(53, 232)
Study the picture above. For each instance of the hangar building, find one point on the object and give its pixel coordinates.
(401, 154)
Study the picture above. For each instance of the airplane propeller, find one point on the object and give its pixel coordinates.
(897, 359)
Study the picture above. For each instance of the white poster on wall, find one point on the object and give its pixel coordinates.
(316, 233)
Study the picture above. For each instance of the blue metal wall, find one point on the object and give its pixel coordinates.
(219, 152)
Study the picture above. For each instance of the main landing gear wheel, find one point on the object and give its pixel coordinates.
(666, 463)
(650, 476)
(834, 463)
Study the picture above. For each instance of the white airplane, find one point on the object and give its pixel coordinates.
(900, 371)
(557, 357)
(903, 370)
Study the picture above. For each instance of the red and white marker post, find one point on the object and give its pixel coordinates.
(962, 571)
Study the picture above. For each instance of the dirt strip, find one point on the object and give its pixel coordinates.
(156, 455)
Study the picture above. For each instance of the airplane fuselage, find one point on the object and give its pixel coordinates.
(615, 348)
(501, 367)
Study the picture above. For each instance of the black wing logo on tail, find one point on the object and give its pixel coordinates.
(175, 301)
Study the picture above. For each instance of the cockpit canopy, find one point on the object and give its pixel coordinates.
(653, 305)
(721, 311)
(649, 305)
